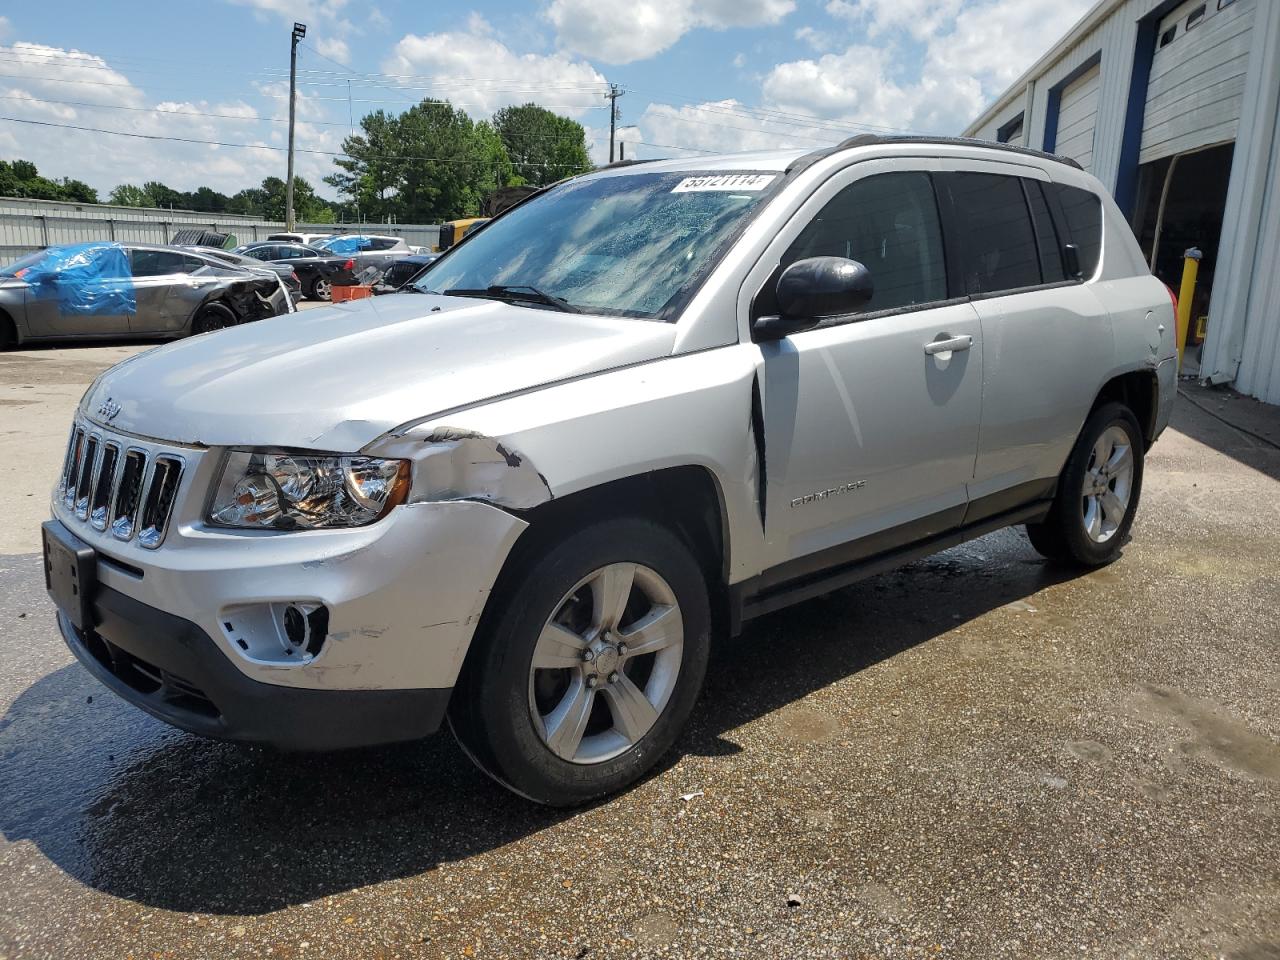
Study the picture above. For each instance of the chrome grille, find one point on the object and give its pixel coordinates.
(109, 482)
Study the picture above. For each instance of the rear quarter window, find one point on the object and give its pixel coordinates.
(1081, 222)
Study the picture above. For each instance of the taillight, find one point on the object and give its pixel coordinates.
(293, 275)
(349, 265)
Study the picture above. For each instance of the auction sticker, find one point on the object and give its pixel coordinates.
(725, 181)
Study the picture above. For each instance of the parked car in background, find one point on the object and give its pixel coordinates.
(367, 251)
(288, 276)
(110, 290)
(318, 270)
(306, 239)
(399, 272)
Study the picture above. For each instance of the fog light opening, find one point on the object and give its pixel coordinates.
(305, 627)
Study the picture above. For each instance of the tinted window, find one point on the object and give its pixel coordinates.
(889, 223)
(1082, 213)
(1051, 270)
(997, 240)
(382, 243)
(157, 263)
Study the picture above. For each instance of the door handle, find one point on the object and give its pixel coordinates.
(951, 345)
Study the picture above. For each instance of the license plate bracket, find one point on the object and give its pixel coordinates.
(70, 573)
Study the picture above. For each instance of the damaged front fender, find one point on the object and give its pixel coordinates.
(455, 464)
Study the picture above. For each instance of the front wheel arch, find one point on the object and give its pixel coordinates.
(8, 332)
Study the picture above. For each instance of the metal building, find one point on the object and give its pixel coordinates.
(1175, 106)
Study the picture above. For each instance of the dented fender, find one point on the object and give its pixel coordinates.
(451, 463)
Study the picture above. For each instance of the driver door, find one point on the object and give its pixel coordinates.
(871, 431)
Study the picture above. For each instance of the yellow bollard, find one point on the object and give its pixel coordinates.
(1190, 267)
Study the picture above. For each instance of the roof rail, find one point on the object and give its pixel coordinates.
(875, 139)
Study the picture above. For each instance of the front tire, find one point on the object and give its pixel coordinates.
(589, 666)
(1098, 492)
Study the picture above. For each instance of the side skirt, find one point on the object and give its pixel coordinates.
(763, 594)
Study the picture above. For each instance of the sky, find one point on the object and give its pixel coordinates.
(698, 76)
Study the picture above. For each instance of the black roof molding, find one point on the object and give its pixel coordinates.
(875, 140)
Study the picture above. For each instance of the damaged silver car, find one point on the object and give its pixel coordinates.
(106, 290)
(645, 405)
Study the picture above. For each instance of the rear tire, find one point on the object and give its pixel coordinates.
(211, 317)
(8, 333)
(321, 289)
(617, 615)
(1098, 492)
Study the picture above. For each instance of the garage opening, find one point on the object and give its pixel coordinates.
(1180, 204)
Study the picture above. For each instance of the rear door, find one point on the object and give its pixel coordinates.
(1045, 334)
(870, 432)
(166, 291)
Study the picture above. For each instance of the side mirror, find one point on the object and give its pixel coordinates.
(813, 289)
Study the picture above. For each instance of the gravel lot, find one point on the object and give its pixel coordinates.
(977, 756)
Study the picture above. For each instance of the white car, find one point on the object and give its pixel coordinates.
(527, 496)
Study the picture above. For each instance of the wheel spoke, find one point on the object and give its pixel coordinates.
(1101, 452)
(1093, 517)
(567, 722)
(558, 648)
(1121, 459)
(633, 714)
(1112, 507)
(610, 592)
(656, 630)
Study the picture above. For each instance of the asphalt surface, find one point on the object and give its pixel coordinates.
(977, 756)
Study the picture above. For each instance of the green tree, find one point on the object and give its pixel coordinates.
(78, 191)
(432, 162)
(208, 200)
(131, 195)
(307, 207)
(544, 147)
(162, 196)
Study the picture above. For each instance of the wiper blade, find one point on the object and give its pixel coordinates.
(515, 293)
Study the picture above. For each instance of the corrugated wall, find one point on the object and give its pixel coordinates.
(28, 225)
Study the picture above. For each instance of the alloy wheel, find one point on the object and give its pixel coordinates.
(606, 663)
(1108, 484)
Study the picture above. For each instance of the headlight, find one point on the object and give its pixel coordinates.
(281, 491)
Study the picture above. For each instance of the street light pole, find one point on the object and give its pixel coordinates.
(612, 96)
(299, 31)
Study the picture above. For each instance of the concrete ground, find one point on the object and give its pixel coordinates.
(977, 756)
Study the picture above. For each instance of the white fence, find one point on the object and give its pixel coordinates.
(29, 225)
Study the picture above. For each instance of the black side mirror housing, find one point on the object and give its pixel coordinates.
(811, 290)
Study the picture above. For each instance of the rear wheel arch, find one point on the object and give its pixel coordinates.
(1139, 390)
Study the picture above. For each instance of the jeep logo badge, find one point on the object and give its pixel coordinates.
(108, 409)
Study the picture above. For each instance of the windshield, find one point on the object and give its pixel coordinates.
(624, 245)
(11, 270)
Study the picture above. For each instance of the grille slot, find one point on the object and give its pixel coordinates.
(85, 481)
(124, 510)
(124, 487)
(100, 502)
(159, 501)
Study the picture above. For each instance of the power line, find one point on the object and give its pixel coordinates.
(255, 146)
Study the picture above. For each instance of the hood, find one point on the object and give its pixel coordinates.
(338, 377)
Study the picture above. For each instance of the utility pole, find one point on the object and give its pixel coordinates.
(612, 96)
(299, 31)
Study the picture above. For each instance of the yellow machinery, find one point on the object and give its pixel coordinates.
(454, 230)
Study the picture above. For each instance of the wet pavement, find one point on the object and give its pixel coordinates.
(977, 756)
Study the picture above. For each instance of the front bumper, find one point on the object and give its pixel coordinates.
(172, 669)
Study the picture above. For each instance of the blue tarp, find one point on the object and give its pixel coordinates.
(349, 243)
(90, 279)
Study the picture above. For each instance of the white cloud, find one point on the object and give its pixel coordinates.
(719, 125)
(557, 81)
(622, 31)
(820, 40)
(49, 74)
(335, 48)
(5, 27)
(971, 54)
(304, 11)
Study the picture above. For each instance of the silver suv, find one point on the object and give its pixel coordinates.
(640, 408)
